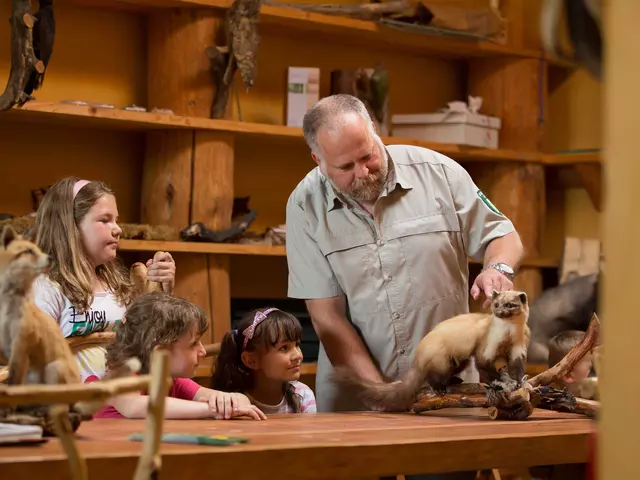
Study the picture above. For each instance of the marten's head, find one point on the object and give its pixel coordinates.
(509, 303)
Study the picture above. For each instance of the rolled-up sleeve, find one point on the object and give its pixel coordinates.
(480, 220)
(310, 274)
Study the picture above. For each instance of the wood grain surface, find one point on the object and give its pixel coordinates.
(322, 446)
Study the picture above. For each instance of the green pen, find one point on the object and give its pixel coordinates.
(189, 439)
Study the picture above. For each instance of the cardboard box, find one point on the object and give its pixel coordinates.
(460, 128)
(303, 92)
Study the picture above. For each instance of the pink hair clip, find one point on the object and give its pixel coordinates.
(257, 319)
(77, 186)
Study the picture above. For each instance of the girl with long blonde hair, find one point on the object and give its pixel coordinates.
(87, 289)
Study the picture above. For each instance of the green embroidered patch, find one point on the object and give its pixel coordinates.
(488, 203)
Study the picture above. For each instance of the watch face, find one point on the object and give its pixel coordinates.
(506, 268)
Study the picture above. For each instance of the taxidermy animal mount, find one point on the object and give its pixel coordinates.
(241, 30)
(31, 48)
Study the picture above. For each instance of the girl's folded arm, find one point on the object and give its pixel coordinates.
(136, 406)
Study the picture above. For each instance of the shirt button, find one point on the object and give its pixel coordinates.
(396, 315)
(401, 351)
(381, 242)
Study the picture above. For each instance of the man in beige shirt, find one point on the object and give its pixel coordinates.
(378, 240)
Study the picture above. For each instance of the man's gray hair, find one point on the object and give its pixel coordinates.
(327, 113)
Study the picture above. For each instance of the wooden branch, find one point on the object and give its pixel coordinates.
(23, 59)
(150, 461)
(516, 405)
(565, 365)
(70, 394)
(591, 179)
(97, 338)
(220, 60)
(59, 414)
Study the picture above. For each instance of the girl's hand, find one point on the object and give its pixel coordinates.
(229, 405)
(162, 269)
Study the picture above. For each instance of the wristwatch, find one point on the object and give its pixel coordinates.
(504, 269)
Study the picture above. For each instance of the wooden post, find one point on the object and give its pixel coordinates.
(619, 425)
(188, 175)
(511, 90)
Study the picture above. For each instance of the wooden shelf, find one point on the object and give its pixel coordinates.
(117, 119)
(578, 157)
(264, 250)
(344, 30)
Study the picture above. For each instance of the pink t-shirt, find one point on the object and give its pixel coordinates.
(183, 388)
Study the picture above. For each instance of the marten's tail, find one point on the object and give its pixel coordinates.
(391, 397)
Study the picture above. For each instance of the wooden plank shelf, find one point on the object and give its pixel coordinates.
(250, 249)
(344, 30)
(577, 157)
(118, 119)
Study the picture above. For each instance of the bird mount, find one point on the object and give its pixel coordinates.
(31, 47)
(241, 32)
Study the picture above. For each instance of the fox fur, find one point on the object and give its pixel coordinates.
(30, 340)
(447, 350)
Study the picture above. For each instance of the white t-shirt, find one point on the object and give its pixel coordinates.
(307, 402)
(104, 315)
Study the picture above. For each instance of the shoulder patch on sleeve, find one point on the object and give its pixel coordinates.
(488, 203)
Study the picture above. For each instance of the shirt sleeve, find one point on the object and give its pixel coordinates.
(185, 388)
(310, 274)
(480, 220)
(48, 298)
(308, 402)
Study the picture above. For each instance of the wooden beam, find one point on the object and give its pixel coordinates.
(591, 179)
(511, 91)
(180, 169)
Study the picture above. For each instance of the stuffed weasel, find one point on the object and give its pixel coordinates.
(447, 350)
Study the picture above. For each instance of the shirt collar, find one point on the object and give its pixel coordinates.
(395, 178)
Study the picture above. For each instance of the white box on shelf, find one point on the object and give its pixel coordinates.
(460, 128)
(303, 92)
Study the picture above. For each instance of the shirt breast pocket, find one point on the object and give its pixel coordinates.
(354, 262)
(433, 254)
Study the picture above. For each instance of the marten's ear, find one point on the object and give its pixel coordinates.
(494, 294)
(7, 236)
(523, 298)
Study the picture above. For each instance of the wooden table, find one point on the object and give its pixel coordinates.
(321, 446)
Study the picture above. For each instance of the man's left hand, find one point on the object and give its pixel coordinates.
(162, 269)
(488, 281)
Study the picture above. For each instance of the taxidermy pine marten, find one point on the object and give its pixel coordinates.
(446, 351)
(30, 339)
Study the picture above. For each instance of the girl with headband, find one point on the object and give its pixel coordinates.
(85, 289)
(262, 359)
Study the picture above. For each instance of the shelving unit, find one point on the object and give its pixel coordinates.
(118, 119)
(194, 157)
(250, 249)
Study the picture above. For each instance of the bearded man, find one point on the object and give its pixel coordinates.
(378, 241)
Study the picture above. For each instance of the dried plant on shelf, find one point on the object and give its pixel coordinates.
(504, 400)
(32, 39)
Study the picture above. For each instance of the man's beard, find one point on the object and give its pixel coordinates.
(368, 189)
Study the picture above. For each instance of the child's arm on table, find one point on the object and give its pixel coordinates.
(226, 404)
(136, 406)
